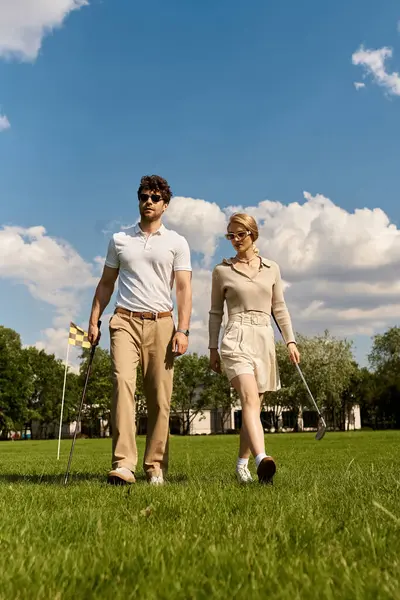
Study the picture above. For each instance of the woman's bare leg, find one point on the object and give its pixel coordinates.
(253, 434)
(244, 446)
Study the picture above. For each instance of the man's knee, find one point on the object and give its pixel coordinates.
(124, 379)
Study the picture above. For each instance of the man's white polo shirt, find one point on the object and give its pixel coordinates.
(147, 264)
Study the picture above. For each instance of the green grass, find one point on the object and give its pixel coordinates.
(329, 528)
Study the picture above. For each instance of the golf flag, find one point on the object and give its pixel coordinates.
(78, 337)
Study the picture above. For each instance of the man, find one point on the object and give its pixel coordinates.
(147, 258)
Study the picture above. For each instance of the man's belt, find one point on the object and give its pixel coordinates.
(143, 315)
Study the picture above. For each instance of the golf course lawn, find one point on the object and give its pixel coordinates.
(328, 528)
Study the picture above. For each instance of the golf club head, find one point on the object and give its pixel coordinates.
(321, 429)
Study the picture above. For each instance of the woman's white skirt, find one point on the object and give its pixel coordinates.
(248, 346)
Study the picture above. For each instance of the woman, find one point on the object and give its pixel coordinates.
(251, 286)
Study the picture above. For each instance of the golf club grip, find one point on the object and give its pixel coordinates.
(99, 326)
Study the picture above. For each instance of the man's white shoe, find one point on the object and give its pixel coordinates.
(243, 474)
(120, 476)
(156, 480)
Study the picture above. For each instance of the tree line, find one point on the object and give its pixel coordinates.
(31, 386)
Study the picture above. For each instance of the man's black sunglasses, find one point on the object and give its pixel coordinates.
(154, 197)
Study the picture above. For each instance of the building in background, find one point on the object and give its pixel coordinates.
(207, 422)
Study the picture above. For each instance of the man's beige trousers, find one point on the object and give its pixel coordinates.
(146, 342)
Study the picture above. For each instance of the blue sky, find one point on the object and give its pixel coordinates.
(234, 103)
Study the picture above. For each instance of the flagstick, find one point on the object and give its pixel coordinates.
(62, 401)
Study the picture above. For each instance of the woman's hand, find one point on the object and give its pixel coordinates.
(294, 353)
(215, 360)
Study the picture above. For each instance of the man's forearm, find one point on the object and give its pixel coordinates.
(100, 301)
(184, 303)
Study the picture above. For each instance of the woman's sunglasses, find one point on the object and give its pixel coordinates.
(154, 197)
(240, 235)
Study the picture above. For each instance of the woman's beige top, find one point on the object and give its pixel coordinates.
(262, 292)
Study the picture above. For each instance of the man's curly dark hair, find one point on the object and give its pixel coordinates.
(155, 183)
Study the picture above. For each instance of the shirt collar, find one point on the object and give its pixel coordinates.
(265, 262)
(137, 230)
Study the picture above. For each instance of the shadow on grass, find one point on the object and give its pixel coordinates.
(58, 479)
(50, 479)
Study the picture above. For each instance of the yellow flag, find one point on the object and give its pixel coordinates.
(78, 337)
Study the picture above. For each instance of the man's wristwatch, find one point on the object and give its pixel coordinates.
(185, 331)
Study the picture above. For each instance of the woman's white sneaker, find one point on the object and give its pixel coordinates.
(243, 474)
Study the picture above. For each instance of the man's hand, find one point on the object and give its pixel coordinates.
(180, 343)
(215, 360)
(294, 353)
(94, 334)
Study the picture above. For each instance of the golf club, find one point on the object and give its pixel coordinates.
(92, 351)
(321, 429)
(321, 423)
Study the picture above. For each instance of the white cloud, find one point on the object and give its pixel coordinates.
(201, 291)
(319, 238)
(359, 85)
(373, 62)
(54, 341)
(52, 271)
(4, 123)
(201, 222)
(340, 268)
(24, 23)
(99, 264)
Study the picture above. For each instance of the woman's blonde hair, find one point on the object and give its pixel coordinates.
(249, 223)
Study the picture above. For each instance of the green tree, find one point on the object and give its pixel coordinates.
(188, 399)
(73, 393)
(289, 396)
(327, 364)
(217, 394)
(45, 399)
(385, 352)
(15, 383)
(99, 390)
(363, 390)
(358, 391)
(384, 359)
(140, 400)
